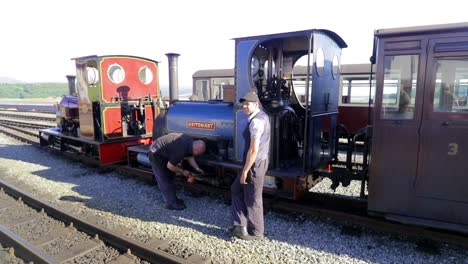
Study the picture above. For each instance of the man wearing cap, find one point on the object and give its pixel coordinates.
(165, 153)
(247, 189)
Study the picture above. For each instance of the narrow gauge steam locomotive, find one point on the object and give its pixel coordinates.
(114, 108)
(265, 64)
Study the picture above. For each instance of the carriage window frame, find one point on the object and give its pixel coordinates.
(456, 91)
(355, 90)
(403, 106)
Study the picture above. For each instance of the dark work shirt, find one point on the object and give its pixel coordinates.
(173, 147)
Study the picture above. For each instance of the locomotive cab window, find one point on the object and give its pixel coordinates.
(116, 73)
(145, 75)
(451, 86)
(299, 82)
(399, 87)
(92, 75)
(320, 61)
(335, 66)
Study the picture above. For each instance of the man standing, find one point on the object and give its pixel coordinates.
(165, 153)
(247, 189)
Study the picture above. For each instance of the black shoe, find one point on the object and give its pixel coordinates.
(239, 231)
(180, 201)
(176, 206)
(252, 237)
(255, 237)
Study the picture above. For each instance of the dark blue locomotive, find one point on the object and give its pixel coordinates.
(264, 64)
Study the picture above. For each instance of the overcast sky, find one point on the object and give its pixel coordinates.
(40, 37)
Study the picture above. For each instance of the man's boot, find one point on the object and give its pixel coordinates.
(239, 231)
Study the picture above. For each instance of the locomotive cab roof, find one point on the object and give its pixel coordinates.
(299, 34)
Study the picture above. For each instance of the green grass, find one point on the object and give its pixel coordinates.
(31, 100)
(35, 91)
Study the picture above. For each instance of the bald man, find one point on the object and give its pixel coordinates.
(165, 153)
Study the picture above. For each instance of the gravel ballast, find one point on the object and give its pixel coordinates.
(124, 204)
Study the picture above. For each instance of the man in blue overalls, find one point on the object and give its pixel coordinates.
(165, 153)
(247, 189)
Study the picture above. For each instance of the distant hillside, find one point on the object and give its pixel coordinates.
(9, 80)
(32, 90)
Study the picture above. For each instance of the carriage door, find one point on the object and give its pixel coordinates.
(443, 154)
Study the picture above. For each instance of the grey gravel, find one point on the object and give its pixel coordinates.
(122, 203)
(6, 258)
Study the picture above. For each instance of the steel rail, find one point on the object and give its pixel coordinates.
(116, 240)
(23, 249)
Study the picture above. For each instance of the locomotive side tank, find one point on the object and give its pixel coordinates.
(208, 120)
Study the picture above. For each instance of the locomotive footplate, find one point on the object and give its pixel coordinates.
(109, 152)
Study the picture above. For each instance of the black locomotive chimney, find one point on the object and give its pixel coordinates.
(71, 84)
(173, 76)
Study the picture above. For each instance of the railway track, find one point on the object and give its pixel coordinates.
(38, 116)
(346, 210)
(43, 233)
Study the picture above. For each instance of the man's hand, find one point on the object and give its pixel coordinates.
(243, 178)
(186, 173)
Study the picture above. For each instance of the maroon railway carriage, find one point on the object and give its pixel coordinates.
(355, 107)
(116, 101)
(419, 168)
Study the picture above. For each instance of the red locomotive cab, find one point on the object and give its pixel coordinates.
(115, 96)
(128, 86)
(116, 106)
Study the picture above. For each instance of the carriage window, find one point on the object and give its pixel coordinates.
(451, 86)
(218, 86)
(399, 87)
(356, 91)
(202, 90)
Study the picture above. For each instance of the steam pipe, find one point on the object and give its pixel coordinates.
(71, 84)
(173, 76)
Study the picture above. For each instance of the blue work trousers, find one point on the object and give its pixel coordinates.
(247, 201)
(164, 178)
